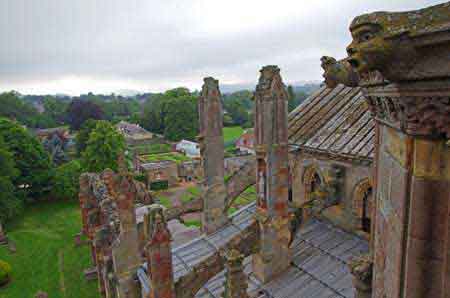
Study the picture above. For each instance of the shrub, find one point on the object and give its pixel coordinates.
(5, 272)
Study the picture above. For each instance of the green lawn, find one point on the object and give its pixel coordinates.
(46, 257)
(173, 156)
(232, 133)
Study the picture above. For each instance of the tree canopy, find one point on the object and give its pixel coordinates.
(79, 111)
(83, 135)
(32, 161)
(173, 113)
(10, 205)
(104, 146)
(65, 183)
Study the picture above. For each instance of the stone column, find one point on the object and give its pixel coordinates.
(212, 151)
(271, 175)
(236, 282)
(159, 255)
(411, 240)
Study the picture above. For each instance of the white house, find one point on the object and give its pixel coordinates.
(191, 149)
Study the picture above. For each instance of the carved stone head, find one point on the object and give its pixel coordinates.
(338, 72)
(387, 41)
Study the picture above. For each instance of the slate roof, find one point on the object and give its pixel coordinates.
(335, 121)
(319, 268)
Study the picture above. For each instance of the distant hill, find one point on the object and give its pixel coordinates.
(306, 87)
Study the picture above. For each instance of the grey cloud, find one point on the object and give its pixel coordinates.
(155, 41)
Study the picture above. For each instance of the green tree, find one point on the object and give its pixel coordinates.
(66, 181)
(32, 161)
(173, 114)
(55, 110)
(181, 121)
(152, 117)
(103, 148)
(83, 135)
(14, 108)
(79, 111)
(10, 204)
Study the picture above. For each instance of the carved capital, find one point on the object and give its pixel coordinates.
(418, 109)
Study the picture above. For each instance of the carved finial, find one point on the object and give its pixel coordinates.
(270, 82)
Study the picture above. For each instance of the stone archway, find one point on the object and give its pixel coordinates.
(312, 181)
(362, 204)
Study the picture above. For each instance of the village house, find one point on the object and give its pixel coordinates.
(246, 142)
(134, 134)
(189, 148)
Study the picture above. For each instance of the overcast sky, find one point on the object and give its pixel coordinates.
(76, 46)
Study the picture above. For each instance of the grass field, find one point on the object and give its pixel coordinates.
(232, 133)
(46, 257)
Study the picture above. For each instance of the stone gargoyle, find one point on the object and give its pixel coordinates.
(390, 43)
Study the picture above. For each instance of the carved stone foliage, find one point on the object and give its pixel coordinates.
(422, 116)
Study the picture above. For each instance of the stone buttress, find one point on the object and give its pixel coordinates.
(271, 175)
(212, 152)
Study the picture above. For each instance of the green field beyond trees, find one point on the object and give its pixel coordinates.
(232, 133)
(46, 257)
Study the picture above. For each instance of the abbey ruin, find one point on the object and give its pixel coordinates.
(353, 186)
